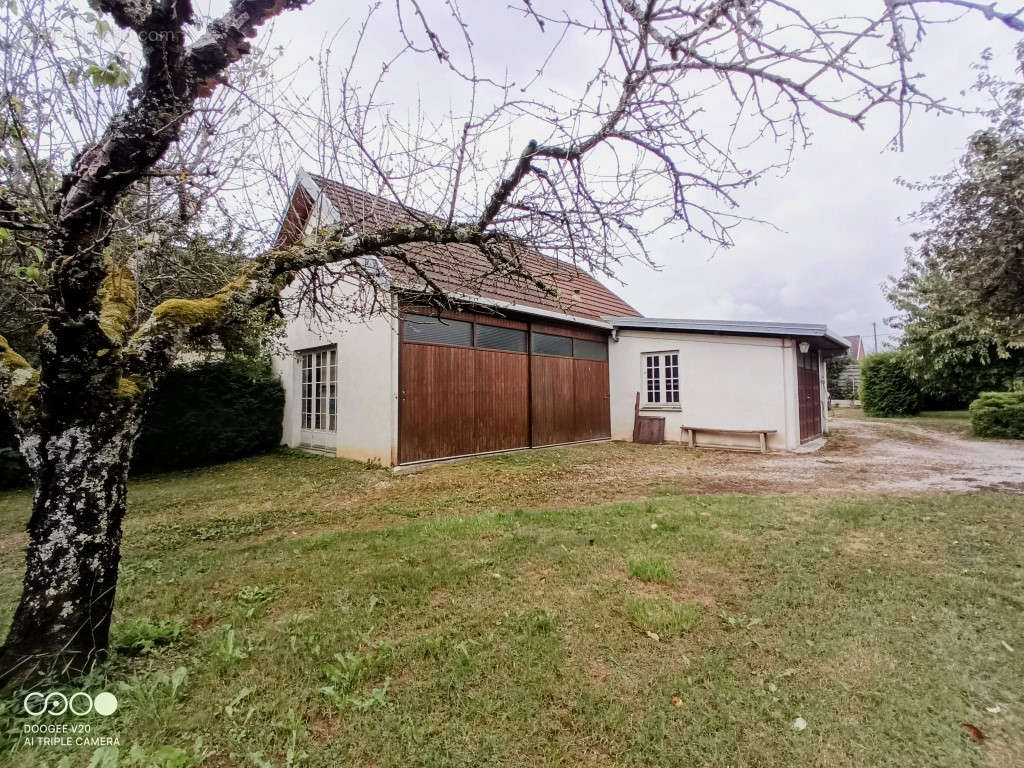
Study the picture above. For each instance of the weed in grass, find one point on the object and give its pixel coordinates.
(374, 701)
(656, 569)
(149, 696)
(254, 598)
(663, 616)
(741, 621)
(350, 671)
(145, 636)
(229, 652)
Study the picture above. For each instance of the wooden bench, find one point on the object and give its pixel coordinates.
(761, 433)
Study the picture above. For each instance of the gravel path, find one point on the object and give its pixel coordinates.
(891, 457)
(861, 456)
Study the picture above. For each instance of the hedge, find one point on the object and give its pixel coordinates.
(203, 413)
(886, 388)
(998, 414)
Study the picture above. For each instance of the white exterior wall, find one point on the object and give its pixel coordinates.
(729, 382)
(367, 374)
(367, 385)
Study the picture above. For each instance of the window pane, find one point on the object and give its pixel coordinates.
(672, 378)
(496, 337)
(653, 374)
(590, 350)
(547, 344)
(437, 330)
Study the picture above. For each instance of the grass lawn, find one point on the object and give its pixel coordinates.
(295, 610)
(955, 422)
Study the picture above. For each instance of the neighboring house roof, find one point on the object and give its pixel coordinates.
(856, 347)
(820, 334)
(459, 268)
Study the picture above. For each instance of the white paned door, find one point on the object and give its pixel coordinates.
(318, 420)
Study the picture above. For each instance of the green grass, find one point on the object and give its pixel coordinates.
(663, 616)
(485, 615)
(955, 422)
(651, 569)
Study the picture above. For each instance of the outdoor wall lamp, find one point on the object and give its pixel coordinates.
(804, 347)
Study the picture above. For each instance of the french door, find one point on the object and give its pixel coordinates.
(319, 401)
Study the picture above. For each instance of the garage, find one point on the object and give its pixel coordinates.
(476, 383)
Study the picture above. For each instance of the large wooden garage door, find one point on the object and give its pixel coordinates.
(456, 399)
(809, 395)
(470, 384)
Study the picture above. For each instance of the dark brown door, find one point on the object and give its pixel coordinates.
(809, 395)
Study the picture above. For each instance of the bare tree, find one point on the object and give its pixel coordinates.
(630, 148)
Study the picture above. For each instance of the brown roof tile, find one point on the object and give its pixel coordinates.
(464, 268)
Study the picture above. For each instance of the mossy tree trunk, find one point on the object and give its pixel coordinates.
(62, 622)
(77, 415)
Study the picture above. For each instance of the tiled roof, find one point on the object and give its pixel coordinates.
(463, 269)
(856, 347)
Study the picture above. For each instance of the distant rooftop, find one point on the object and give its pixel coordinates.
(735, 327)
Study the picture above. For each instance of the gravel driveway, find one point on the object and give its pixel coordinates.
(861, 456)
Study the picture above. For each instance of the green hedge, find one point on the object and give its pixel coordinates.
(210, 412)
(998, 414)
(886, 388)
(201, 414)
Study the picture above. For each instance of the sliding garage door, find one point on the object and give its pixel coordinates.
(463, 387)
(474, 383)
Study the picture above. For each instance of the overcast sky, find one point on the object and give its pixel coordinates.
(836, 233)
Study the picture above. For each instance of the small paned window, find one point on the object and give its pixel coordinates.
(499, 337)
(661, 378)
(437, 330)
(589, 350)
(549, 344)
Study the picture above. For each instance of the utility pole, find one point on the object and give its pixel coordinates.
(874, 330)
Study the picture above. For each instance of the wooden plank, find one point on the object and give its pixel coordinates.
(436, 386)
(481, 317)
(567, 329)
(737, 431)
(592, 411)
(551, 400)
(501, 401)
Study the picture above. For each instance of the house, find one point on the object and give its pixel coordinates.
(517, 367)
(856, 350)
(849, 379)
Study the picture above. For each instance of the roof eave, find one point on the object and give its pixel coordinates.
(524, 309)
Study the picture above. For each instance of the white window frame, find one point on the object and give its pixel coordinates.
(318, 396)
(661, 389)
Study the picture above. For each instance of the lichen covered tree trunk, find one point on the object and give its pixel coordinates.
(62, 623)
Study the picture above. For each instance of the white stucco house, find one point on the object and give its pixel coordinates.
(516, 368)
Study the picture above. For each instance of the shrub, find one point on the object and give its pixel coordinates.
(210, 412)
(886, 388)
(839, 388)
(998, 414)
(201, 414)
